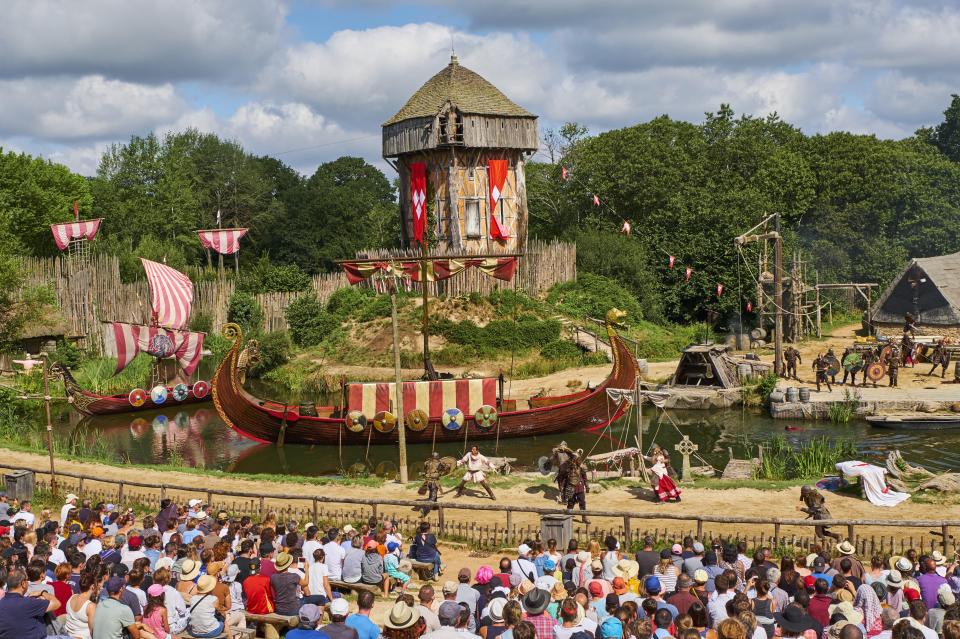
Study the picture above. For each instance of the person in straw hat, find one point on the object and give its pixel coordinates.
(628, 570)
(203, 609)
(497, 624)
(894, 584)
(403, 622)
(848, 551)
(286, 585)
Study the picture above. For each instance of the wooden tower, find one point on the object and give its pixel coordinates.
(455, 124)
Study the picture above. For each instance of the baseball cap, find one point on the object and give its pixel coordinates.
(619, 585)
(809, 581)
(523, 549)
(652, 585)
(193, 503)
(134, 542)
(392, 546)
(448, 613)
(677, 549)
(596, 589)
(449, 587)
(911, 594)
(700, 576)
(115, 585)
(339, 607)
(155, 590)
(698, 547)
(310, 613)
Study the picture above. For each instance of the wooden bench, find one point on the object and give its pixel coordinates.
(273, 624)
(424, 569)
(357, 587)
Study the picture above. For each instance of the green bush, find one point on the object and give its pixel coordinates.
(594, 295)
(201, 322)
(68, 355)
(560, 349)
(245, 311)
(309, 322)
(624, 259)
(498, 334)
(266, 277)
(275, 349)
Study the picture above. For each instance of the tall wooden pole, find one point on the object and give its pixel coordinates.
(424, 263)
(778, 298)
(398, 402)
(46, 403)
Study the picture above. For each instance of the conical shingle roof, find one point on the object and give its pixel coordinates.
(465, 89)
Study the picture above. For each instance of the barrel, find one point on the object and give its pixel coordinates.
(758, 333)
(804, 394)
(792, 395)
(744, 372)
(776, 396)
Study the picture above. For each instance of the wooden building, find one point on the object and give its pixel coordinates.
(455, 124)
(928, 288)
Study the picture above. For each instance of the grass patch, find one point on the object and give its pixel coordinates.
(843, 412)
(716, 483)
(810, 459)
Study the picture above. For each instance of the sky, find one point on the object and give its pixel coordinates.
(308, 81)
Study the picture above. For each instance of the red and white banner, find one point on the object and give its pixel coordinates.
(719, 290)
(124, 341)
(564, 173)
(672, 260)
(225, 241)
(171, 294)
(497, 174)
(689, 273)
(431, 397)
(63, 233)
(596, 200)
(501, 268)
(626, 228)
(418, 198)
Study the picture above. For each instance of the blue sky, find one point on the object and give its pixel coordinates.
(310, 80)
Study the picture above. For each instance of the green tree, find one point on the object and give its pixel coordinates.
(946, 135)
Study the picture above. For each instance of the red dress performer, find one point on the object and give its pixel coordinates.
(663, 485)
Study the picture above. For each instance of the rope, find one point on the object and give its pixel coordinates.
(513, 353)
(433, 446)
(496, 449)
(369, 437)
(466, 432)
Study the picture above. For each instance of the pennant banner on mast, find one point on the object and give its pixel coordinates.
(497, 174)
(418, 198)
(224, 241)
(124, 341)
(171, 294)
(67, 231)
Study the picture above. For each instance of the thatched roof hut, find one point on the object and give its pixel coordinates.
(714, 366)
(928, 288)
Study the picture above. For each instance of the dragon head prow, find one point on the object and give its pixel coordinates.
(615, 316)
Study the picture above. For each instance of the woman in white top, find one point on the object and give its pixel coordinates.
(81, 609)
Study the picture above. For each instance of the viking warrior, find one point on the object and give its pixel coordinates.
(792, 358)
(433, 470)
(820, 366)
(476, 464)
(909, 325)
(869, 357)
(572, 478)
(906, 350)
(893, 365)
(816, 507)
(941, 357)
(558, 457)
(830, 358)
(849, 369)
(663, 485)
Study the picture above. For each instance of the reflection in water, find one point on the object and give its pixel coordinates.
(196, 436)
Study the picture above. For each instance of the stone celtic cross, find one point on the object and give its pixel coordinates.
(686, 448)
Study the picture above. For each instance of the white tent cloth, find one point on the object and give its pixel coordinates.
(874, 483)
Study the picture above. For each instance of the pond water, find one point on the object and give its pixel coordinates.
(196, 436)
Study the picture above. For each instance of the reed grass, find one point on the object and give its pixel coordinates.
(808, 459)
(842, 412)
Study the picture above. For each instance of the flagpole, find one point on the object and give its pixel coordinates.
(427, 364)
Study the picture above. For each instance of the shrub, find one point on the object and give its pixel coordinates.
(624, 259)
(201, 322)
(309, 322)
(245, 311)
(594, 295)
(68, 355)
(265, 277)
(560, 349)
(275, 351)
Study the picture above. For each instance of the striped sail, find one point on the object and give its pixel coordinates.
(124, 341)
(171, 294)
(63, 233)
(225, 241)
(431, 397)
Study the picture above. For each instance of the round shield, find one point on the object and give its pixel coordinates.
(833, 366)
(876, 371)
(200, 389)
(852, 362)
(356, 421)
(486, 417)
(544, 465)
(452, 419)
(137, 397)
(886, 353)
(160, 346)
(385, 421)
(138, 427)
(180, 392)
(158, 394)
(416, 420)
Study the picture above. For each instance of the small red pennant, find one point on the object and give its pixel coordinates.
(596, 201)
(672, 259)
(749, 307)
(626, 228)
(563, 173)
(719, 290)
(689, 273)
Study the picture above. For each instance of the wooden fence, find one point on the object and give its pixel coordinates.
(456, 521)
(91, 292)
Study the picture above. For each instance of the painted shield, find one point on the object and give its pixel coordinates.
(158, 394)
(356, 421)
(416, 420)
(452, 419)
(852, 362)
(180, 392)
(876, 371)
(200, 389)
(137, 397)
(160, 346)
(833, 366)
(486, 417)
(385, 421)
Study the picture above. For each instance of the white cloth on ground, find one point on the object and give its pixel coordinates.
(874, 483)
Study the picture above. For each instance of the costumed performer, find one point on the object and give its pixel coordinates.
(476, 464)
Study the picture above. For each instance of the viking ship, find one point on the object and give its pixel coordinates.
(171, 298)
(446, 410)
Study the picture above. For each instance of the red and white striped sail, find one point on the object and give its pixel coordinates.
(63, 233)
(225, 241)
(431, 397)
(124, 341)
(171, 294)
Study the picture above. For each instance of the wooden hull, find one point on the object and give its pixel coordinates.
(266, 421)
(915, 422)
(90, 403)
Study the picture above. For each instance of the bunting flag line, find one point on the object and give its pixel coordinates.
(626, 228)
(63, 233)
(171, 294)
(225, 241)
(719, 290)
(124, 341)
(497, 174)
(689, 273)
(418, 198)
(501, 268)
(672, 259)
(596, 200)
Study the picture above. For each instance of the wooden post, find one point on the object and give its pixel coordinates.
(375, 511)
(819, 316)
(441, 525)
(210, 498)
(120, 494)
(778, 299)
(850, 534)
(46, 404)
(398, 389)
(315, 511)
(776, 533)
(263, 508)
(626, 532)
(700, 530)
(509, 524)
(163, 492)
(946, 537)
(80, 488)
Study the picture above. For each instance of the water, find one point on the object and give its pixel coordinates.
(196, 436)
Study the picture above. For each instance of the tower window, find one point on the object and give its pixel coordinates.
(471, 215)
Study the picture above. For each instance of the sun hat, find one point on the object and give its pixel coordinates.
(200, 516)
(193, 503)
(525, 586)
(938, 557)
(583, 557)
(904, 565)
(835, 628)
(626, 568)
(812, 557)
(339, 607)
(189, 570)
(233, 571)
(558, 592)
(401, 616)
(596, 589)
(155, 590)
(206, 584)
(484, 575)
(652, 585)
(843, 595)
(163, 562)
(846, 609)
(348, 529)
(596, 565)
(677, 549)
(70, 497)
(535, 601)
(310, 613)
(792, 619)
(619, 585)
(611, 628)
(448, 613)
(846, 548)
(283, 561)
(450, 587)
(496, 609)
(405, 566)
(895, 579)
(700, 576)
(545, 582)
